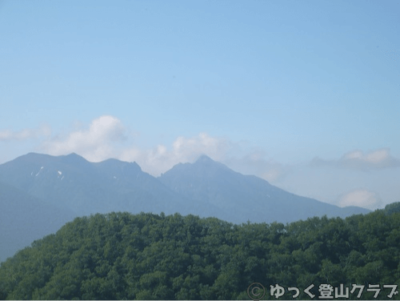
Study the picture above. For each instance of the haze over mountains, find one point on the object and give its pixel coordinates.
(39, 193)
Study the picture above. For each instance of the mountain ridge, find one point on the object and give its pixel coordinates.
(253, 197)
(205, 188)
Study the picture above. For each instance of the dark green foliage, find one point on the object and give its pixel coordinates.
(147, 256)
(392, 208)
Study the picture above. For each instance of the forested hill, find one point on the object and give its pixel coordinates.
(147, 256)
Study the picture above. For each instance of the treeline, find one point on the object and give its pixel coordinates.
(147, 256)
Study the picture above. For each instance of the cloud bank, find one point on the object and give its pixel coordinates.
(361, 198)
(161, 158)
(335, 181)
(100, 141)
(95, 143)
(103, 138)
(377, 159)
(25, 134)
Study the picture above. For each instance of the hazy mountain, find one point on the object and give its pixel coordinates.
(248, 197)
(24, 218)
(42, 192)
(88, 188)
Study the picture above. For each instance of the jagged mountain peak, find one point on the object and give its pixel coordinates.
(118, 166)
(204, 166)
(32, 157)
(204, 159)
(205, 187)
(73, 158)
(38, 158)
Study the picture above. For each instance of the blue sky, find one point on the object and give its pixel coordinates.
(305, 94)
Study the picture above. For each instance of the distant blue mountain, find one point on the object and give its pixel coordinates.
(247, 198)
(89, 188)
(24, 218)
(37, 188)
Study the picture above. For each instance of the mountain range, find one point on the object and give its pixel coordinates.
(39, 193)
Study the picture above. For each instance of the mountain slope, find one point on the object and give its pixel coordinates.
(249, 197)
(89, 188)
(41, 192)
(24, 218)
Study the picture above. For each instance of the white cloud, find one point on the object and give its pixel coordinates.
(255, 163)
(380, 158)
(183, 150)
(100, 141)
(94, 143)
(106, 137)
(361, 198)
(8, 135)
(160, 159)
(191, 148)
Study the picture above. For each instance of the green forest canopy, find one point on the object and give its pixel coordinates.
(148, 256)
